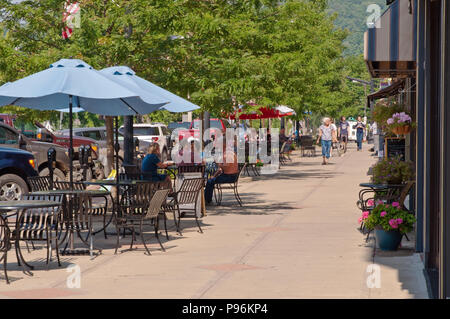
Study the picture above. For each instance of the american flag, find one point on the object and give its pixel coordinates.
(70, 10)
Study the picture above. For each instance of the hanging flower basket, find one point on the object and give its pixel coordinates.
(400, 123)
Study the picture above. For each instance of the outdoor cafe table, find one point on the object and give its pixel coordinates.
(8, 206)
(71, 223)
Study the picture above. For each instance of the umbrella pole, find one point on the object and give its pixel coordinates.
(71, 142)
(116, 149)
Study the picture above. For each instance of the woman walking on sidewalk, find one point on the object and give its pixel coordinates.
(360, 128)
(327, 134)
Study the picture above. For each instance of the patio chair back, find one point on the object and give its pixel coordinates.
(405, 191)
(62, 185)
(39, 183)
(138, 197)
(35, 224)
(189, 191)
(158, 199)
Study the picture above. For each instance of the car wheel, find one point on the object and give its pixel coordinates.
(58, 175)
(12, 187)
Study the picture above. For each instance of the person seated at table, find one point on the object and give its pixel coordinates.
(151, 163)
(227, 172)
(192, 153)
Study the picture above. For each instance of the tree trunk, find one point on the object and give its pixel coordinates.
(109, 145)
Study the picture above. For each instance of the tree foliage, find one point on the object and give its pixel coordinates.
(217, 52)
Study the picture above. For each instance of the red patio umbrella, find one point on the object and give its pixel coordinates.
(265, 113)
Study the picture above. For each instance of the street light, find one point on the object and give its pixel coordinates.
(365, 83)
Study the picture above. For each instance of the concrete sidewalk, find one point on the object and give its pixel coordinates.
(296, 237)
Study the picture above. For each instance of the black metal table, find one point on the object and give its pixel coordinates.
(8, 206)
(69, 220)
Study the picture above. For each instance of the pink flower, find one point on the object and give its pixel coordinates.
(399, 221)
(370, 202)
(383, 214)
(395, 204)
(360, 219)
(379, 202)
(365, 215)
(393, 223)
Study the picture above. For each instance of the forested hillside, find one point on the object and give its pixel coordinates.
(352, 15)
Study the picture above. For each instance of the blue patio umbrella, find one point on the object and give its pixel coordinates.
(72, 83)
(127, 77)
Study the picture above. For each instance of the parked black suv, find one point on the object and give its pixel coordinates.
(15, 166)
(10, 137)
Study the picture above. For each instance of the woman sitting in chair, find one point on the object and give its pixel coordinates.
(151, 163)
(227, 173)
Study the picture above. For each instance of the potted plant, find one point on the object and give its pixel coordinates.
(390, 223)
(392, 171)
(400, 123)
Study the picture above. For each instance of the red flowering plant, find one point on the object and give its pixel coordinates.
(390, 217)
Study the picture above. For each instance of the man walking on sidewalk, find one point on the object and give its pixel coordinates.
(360, 128)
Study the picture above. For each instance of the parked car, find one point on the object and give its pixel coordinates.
(174, 125)
(153, 132)
(37, 132)
(15, 167)
(216, 126)
(10, 137)
(99, 135)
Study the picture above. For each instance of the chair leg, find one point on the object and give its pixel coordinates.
(17, 255)
(5, 264)
(165, 225)
(133, 236)
(104, 226)
(179, 220)
(236, 194)
(157, 234)
(57, 250)
(198, 224)
(48, 250)
(368, 234)
(118, 240)
(21, 257)
(143, 241)
(28, 248)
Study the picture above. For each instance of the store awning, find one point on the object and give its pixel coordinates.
(391, 90)
(390, 50)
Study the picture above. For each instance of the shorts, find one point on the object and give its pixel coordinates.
(344, 138)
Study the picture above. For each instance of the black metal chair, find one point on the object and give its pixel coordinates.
(97, 210)
(141, 212)
(38, 225)
(219, 187)
(285, 152)
(307, 145)
(5, 245)
(39, 183)
(187, 195)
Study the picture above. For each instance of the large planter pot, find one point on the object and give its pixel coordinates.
(388, 240)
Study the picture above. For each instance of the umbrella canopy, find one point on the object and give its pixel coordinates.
(90, 90)
(265, 113)
(128, 78)
(72, 83)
